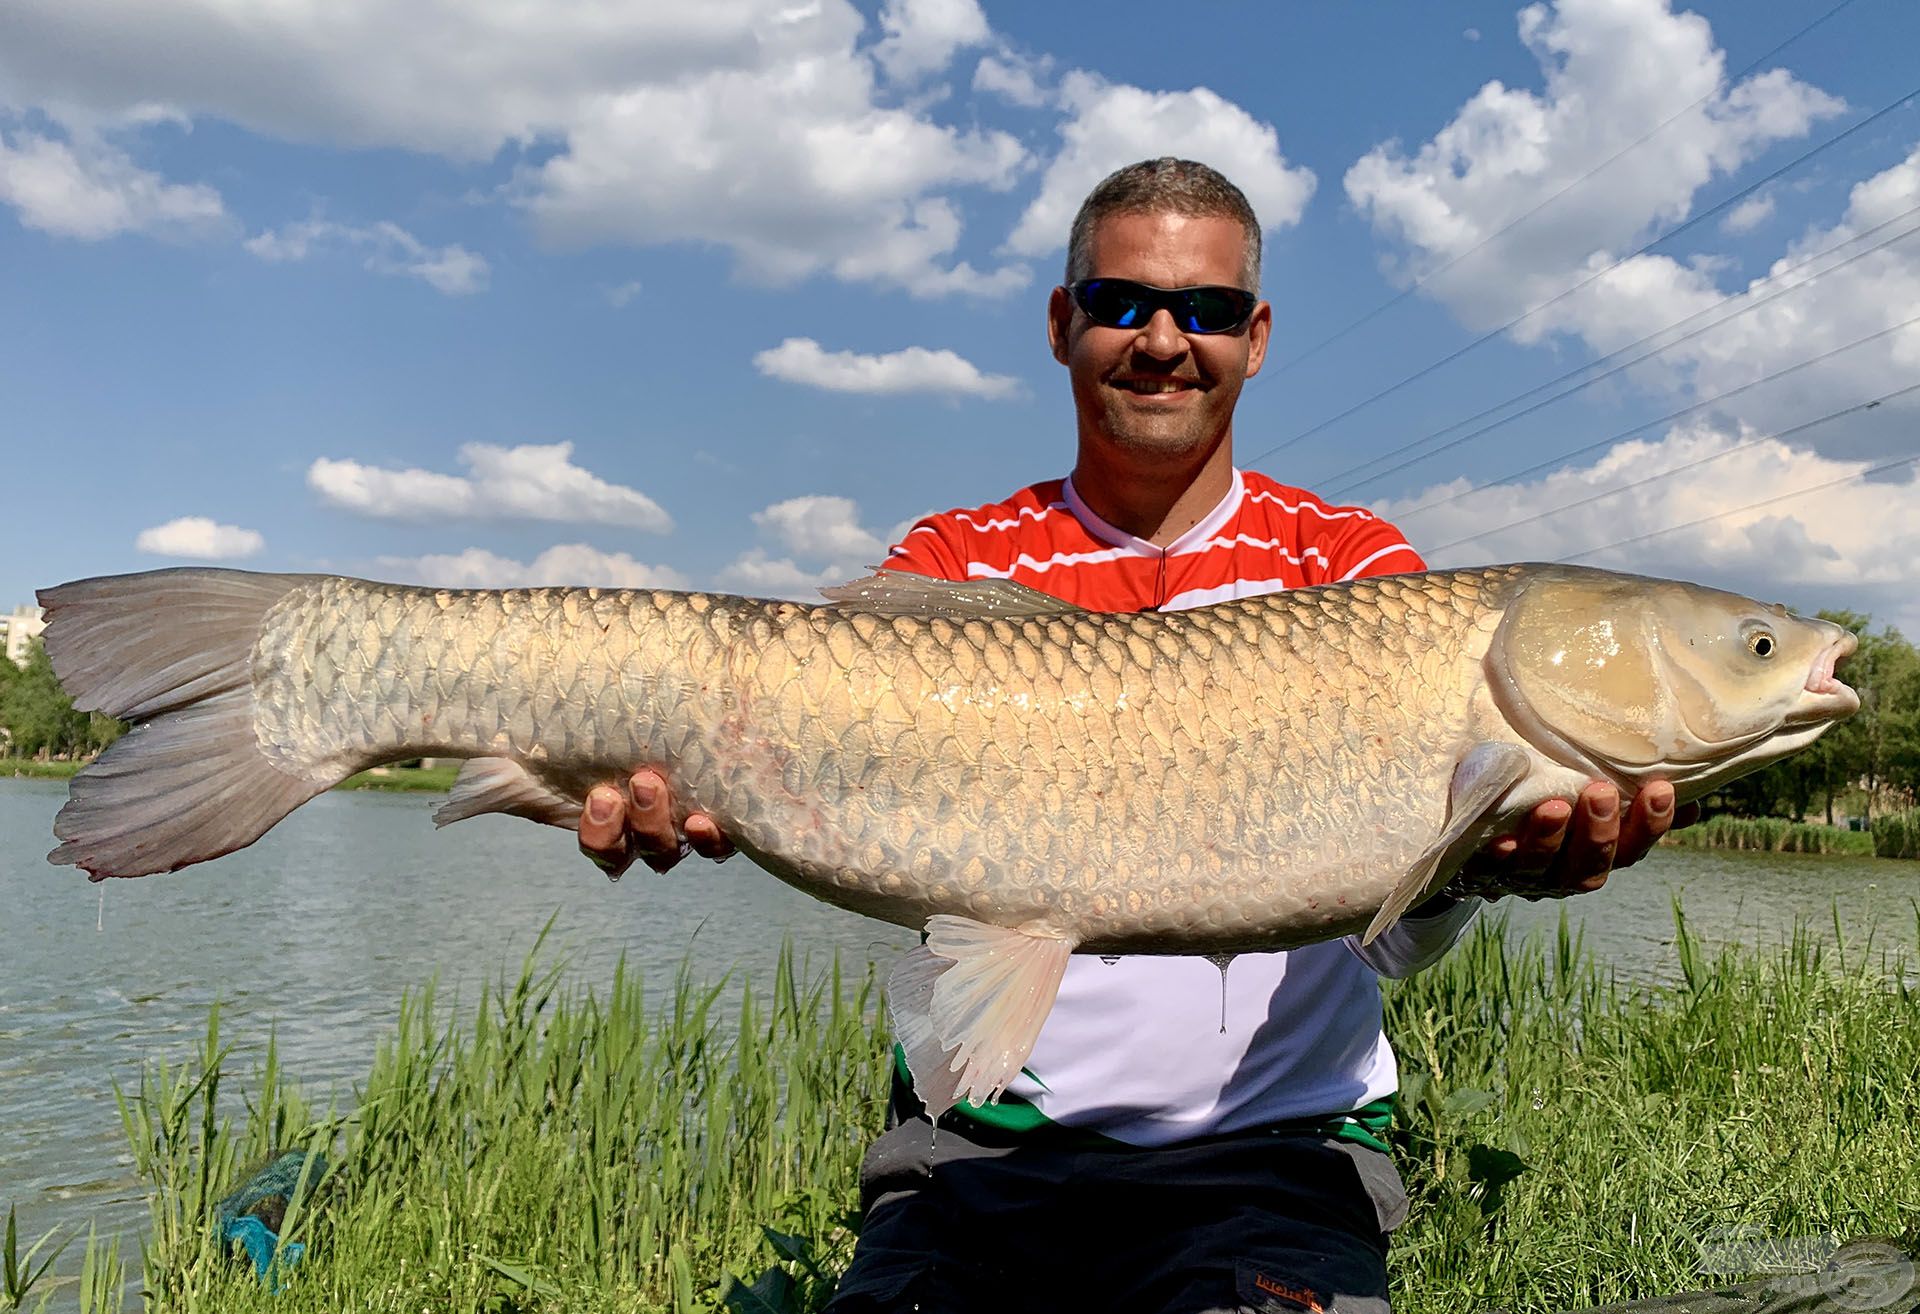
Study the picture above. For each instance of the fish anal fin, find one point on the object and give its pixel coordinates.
(903, 593)
(500, 784)
(1484, 775)
(968, 1005)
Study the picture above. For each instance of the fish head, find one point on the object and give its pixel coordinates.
(1639, 679)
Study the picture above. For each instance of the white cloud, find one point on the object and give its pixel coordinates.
(1830, 310)
(86, 189)
(1614, 71)
(756, 126)
(821, 527)
(200, 538)
(622, 296)
(566, 564)
(390, 249)
(922, 36)
(1013, 79)
(1749, 214)
(1111, 124)
(820, 530)
(911, 369)
(1857, 544)
(529, 482)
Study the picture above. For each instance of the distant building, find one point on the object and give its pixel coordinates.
(18, 629)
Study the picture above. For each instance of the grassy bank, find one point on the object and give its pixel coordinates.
(1772, 835)
(1566, 1140)
(435, 779)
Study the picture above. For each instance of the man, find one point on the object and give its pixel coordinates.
(1178, 1141)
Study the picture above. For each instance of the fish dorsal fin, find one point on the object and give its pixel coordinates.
(1484, 775)
(500, 784)
(968, 1004)
(902, 593)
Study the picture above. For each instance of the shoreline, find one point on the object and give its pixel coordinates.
(423, 780)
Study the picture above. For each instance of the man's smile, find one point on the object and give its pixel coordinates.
(1156, 387)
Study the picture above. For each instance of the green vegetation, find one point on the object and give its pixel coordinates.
(37, 718)
(1774, 835)
(1897, 834)
(433, 779)
(1567, 1140)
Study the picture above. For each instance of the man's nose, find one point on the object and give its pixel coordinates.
(1160, 337)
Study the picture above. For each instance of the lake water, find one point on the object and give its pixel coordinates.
(317, 930)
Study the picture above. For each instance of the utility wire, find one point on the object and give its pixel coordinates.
(1554, 300)
(1339, 486)
(1338, 489)
(1751, 506)
(1684, 467)
(1514, 223)
(1669, 418)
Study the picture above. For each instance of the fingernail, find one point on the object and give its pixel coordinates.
(1604, 807)
(645, 794)
(600, 805)
(1661, 805)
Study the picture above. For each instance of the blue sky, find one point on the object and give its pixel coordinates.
(721, 295)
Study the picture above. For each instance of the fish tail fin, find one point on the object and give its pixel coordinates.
(171, 651)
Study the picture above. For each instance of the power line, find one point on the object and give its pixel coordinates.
(1751, 506)
(1669, 418)
(1511, 224)
(1341, 489)
(1554, 300)
(1685, 466)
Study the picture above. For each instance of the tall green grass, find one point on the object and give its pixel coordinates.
(1774, 835)
(1897, 834)
(1566, 1139)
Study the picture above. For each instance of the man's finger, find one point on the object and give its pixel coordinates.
(1649, 816)
(704, 834)
(1542, 835)
(603, 830)
(650, 829)
(1592, 839)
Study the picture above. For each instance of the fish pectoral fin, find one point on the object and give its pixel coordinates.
(1480, 780)
(500, 784)
(968, 1005)
(902, 593)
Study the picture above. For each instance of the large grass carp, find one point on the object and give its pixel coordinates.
(1022, 778)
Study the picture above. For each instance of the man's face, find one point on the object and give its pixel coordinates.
(1121, 376)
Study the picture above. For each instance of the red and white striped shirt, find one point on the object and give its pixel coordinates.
(1261, 538)
(1134, 1048)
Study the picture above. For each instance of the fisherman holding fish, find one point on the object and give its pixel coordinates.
(1112, 743)
(1184, 1137)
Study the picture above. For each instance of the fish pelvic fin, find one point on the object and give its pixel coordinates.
(171, 651)
(1481, 779)
(968, 1005)
(500, 784)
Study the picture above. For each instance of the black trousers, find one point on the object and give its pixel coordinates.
(967, 1219)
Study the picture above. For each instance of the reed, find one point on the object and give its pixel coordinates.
(1897, 834)
(1773, 835)
(1567, 1139)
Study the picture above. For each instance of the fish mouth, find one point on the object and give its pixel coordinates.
(1833, 696)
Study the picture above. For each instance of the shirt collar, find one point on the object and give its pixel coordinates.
(1209, 524)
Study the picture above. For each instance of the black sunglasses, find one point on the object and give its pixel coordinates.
(1123, 303)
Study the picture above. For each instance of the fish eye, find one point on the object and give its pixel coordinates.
(1761, 642)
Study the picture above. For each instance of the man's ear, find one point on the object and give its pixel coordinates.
(1059, 320)
(1259, 329)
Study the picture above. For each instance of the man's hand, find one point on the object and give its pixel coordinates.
(620, 825)
(1562, 849)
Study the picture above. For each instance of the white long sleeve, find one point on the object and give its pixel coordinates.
(1413, 944)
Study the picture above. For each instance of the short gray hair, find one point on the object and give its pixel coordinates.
(1163, 186)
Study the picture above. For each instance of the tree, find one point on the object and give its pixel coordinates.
(39, 717)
